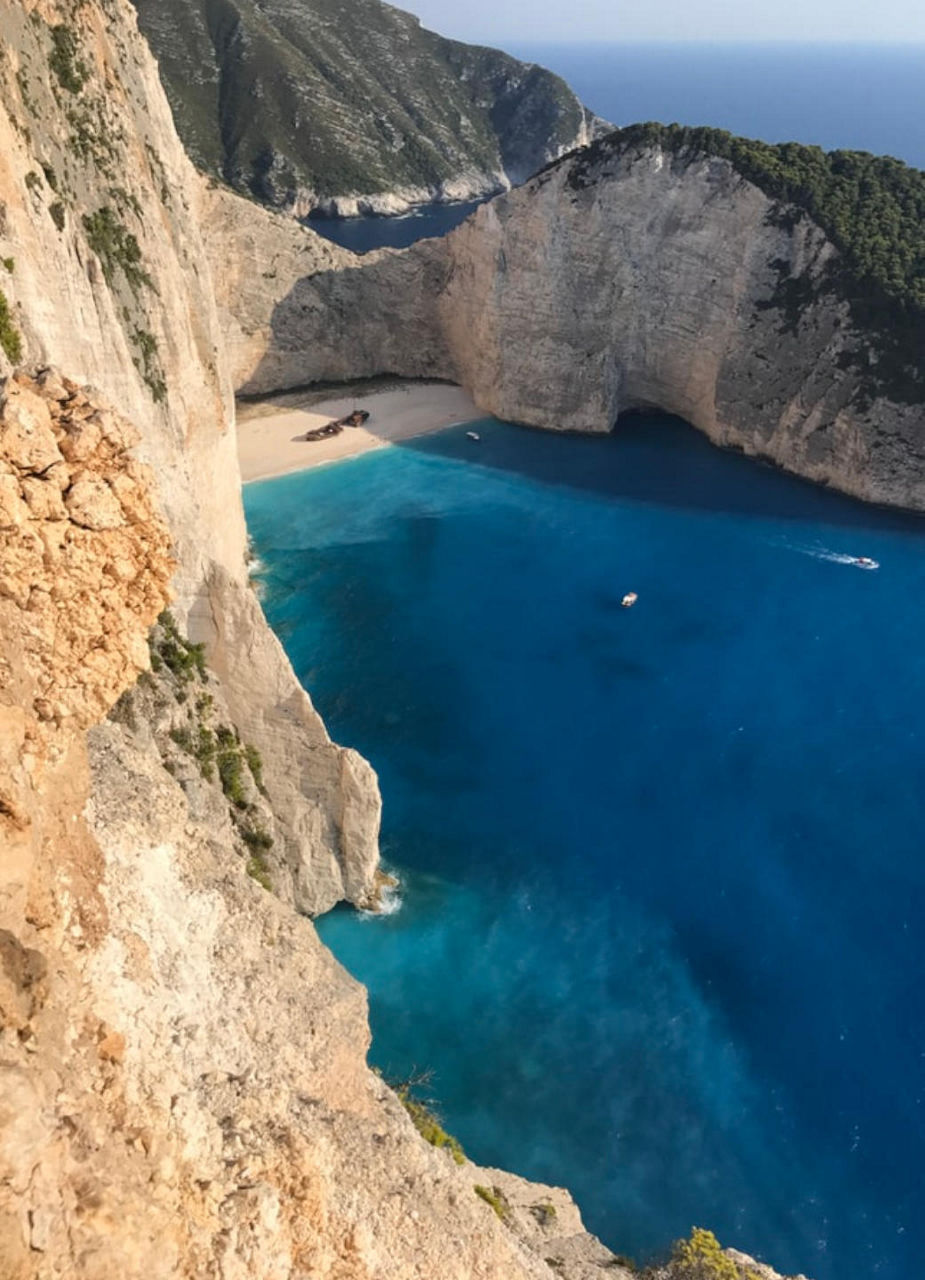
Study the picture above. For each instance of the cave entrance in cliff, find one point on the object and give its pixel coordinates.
(661, 458)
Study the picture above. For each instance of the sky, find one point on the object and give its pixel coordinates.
(497, 21)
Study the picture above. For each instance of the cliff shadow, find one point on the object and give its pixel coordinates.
(661, 460)
(373, 317)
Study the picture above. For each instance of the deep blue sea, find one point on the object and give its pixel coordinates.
(661, 925)
(866, 98)
(861, 97)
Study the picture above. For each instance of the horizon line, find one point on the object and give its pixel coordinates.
(917, 45)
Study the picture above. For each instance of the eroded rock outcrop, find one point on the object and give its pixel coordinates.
(105, 276)
(84, 555)
(629, 276)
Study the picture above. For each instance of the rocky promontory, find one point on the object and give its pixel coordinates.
(351, 106)
(656, 269)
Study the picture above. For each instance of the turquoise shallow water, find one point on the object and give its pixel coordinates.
(661, 929)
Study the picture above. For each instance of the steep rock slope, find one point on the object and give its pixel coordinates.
(104, 275)
(629, 275)
(350, 105)
(183, 1086)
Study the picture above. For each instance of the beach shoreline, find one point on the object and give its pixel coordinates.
(270, 431)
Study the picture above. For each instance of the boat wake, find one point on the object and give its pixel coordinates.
(836, 557)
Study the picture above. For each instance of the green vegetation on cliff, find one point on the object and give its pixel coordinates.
(493, 1197)
(179, 670)
(701, 1257)
(872, 209)
(424, 1118)
(65, 61)
(347, 97)
(116, 248)
(10, 341)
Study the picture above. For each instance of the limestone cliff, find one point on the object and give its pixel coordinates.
(627, 276)
(183, 1085)
(105, 276)
(351, 106)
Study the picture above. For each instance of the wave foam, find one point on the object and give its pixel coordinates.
(835, 557)
(390, 902)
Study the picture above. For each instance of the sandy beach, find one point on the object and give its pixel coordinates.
(270, 431)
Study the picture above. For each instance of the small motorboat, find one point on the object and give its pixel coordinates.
(629, 599)
(865, 562)
(473, 435)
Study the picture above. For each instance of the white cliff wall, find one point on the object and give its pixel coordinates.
(650, 279)
(108, 280)
(637, 280)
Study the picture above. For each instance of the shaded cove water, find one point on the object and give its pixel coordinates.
(660, 935)
(361, 235)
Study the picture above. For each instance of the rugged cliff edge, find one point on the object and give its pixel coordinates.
(351, 106)
(104, 275)
(645, 271)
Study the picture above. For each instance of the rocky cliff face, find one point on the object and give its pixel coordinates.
(183, 1087)
(106, 277)
(352, 107)
(617, 279)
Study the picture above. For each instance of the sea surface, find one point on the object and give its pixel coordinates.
(866, 98)
(361, 235)
(660, 930)
(860, 97)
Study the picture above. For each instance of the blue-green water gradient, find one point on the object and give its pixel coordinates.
(661, 925)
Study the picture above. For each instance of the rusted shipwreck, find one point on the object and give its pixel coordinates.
(354, 419)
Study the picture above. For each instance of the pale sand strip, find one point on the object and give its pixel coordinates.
(268, 435)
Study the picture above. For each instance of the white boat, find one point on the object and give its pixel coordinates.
(629, 599)
(473, 435)
(864, 562)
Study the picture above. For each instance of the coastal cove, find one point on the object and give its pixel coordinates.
(660, 870)
(364, 234)
(570, 911)
(271, 433)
